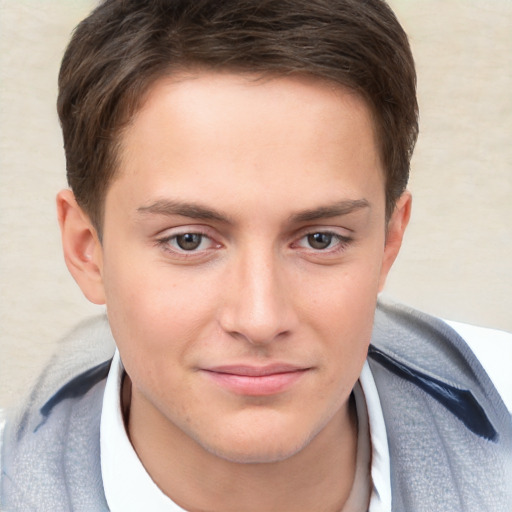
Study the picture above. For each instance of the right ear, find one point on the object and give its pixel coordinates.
(82, 248)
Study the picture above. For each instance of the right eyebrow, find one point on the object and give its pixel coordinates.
(191, 210)
(337, 209)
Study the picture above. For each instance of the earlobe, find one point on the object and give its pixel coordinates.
(82, 248)
(395, 233)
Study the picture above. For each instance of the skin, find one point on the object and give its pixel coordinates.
(283, 184)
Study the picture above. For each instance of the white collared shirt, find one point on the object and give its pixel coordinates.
(128, 487)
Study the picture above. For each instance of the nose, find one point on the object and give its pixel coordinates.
(257, 305)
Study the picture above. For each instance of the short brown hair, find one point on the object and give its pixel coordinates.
(123, 46)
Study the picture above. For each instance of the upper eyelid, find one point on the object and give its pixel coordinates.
(338, 236)
(331, 230)
(172, 236)
(173, 231)
(165, 235)
(325, 225)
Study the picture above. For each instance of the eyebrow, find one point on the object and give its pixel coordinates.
(195, 211)
(191, 210)
(333, 210)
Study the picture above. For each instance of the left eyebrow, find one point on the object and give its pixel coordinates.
(334, 210)
(183, 209)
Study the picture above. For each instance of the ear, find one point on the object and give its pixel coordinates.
(82, 249)
(395, 233)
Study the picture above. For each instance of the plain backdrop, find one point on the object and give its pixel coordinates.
(457, 258)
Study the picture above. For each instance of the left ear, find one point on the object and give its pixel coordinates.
(82, 249)
(394, 234)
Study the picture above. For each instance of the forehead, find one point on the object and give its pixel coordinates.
(223, 95)
(226, 132)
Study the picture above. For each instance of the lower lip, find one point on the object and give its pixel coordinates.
(264, 385)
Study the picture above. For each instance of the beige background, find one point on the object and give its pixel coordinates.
(457, 258)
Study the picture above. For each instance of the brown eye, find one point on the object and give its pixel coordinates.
(189, 241)
(319, 240)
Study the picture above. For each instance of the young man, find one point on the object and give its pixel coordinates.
(238, 174)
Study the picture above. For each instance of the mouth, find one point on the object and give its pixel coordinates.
(256, 380)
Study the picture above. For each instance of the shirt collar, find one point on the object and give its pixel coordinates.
(128, 487)
(381, 473)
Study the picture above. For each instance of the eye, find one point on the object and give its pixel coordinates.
(326, 242)
(189, 241)
(320, 241)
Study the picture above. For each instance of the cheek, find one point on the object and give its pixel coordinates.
(155, 315)
(344, 299)
(341, 309)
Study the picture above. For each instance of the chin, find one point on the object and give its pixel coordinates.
(262, 448)
(266, 455)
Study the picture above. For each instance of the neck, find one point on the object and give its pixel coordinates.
(318, 477)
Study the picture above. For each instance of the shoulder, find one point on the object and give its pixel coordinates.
(433, 343)
(493, 348)
(80, 361)
(443, 362)
(446, 423)
(50, 451)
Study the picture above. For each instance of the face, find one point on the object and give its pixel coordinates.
(244, 245)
